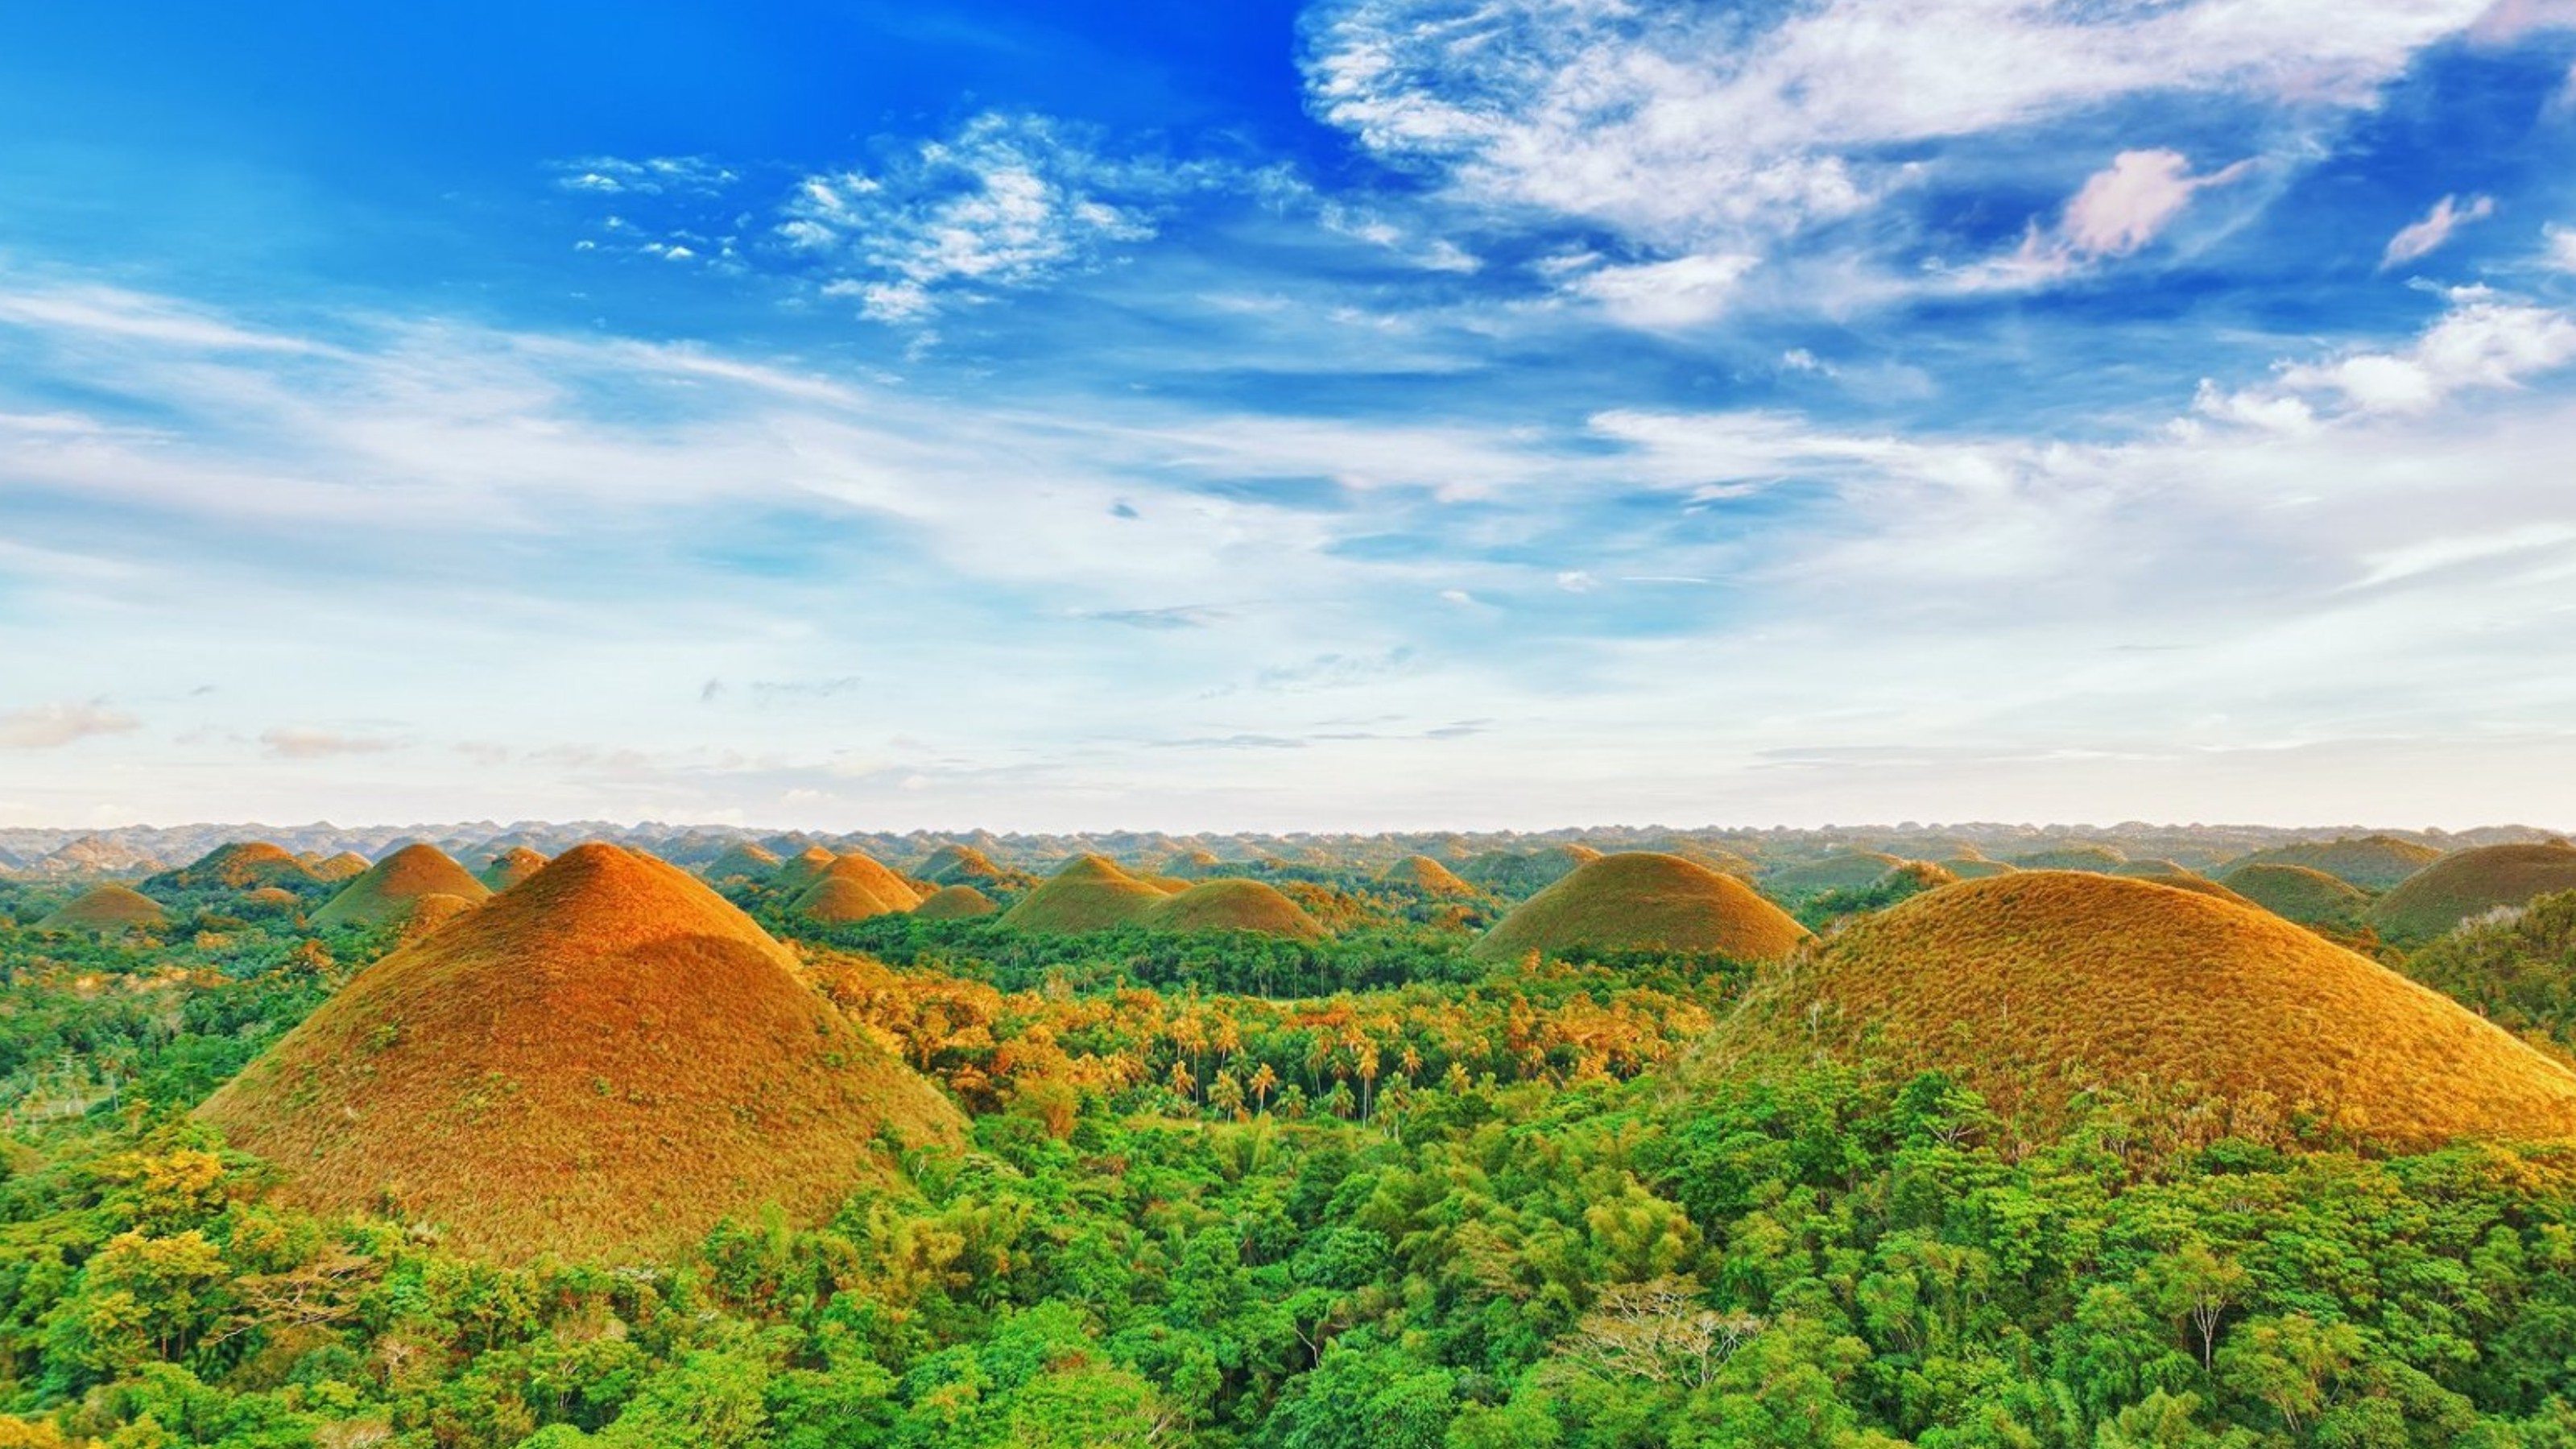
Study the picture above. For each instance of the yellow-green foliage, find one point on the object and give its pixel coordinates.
(511, 867)
(347, 865)
(2470, 883)
(602, 1062)
(745, 860)
(956, 903)
(1852, 870)
(2028, 988)
(2299, 893)
(2073, 857)
(958, 865)
(2372, 862)
(1427, 876)
(1644, 901)
(386, 894)
(1233, 905)
(1089, 894)
(2518, 971)
(1976, 867)
(107, 910)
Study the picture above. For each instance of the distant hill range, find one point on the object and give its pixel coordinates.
(1514, 863)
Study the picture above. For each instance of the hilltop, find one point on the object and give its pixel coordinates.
(1088, 894)
(956, 903)
(510, 867)
(107, 910)
(2469, 883)
(1428, 876)
(1850, 870)
(602, 1062)
(1644, 901)
(1233, 905)
(241, 865)
(387, 894)
(2028, 987)
(2372, 862)
(2299, 893)
(746, 860)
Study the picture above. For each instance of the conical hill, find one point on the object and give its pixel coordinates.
(240, 865)
(1852, 870)
(2298, 893)
(744, 859)
(2372, 862)
(1427, 876)
(2472, 882)
(956, 903)
(510, 867)
(1090, 893)
(386, 894)
(602, 1062)
(107, 910)
(1233, 905)
(1644, 901)
(2027, 988)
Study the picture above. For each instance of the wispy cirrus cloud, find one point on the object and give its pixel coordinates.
(299, 743)
(2422, 238)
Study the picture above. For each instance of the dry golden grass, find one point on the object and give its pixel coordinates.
(601, 1063)
(238, 866)
(2027, 988)
(1089, 893)
(107, 910)
(2193, 881)
(2299, 893)
(838, 900)
(956, 903)
(2152, 868)
(958, 865)
(386, 894)
(2372, 862)
(864, 870)
(1644, 901)
(1428, 876)
(511, 867)
(745, 860)
(1852, 870)
(347, 865)
(433, 911)
(2469, 883)
(1233, 905)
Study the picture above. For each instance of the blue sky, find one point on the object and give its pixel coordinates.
(1353, 415)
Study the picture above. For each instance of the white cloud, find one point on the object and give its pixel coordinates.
(1007, 201)
(2117, 212)
(1682, 292)
(650, 176)
(313, 744)
(2422, 238)
(52, 726)
(2561, 241)
(2483, 342)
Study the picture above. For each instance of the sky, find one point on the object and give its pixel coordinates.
(1373, 414)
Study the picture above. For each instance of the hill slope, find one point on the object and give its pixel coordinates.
(2472, 882)
(390, 889)
(1089, 893)
(1644, 901)
(1427, 876)
(956, 903)
(2019, 986)
(2372, 862)
(106, 910)
(602, 1062)
(1851, 870)
(2298, 893)
(240, 865)
(511, 867)
(1233, 905)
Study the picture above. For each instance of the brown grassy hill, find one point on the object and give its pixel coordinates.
(1976, 867)
(433, 911)
(601, 1063)
(107, 910)
(744, 860)
(241, 865)
(2472, 882)
(386, 894)
(2029, 987)
(802, 869)
(1644, 901)
(837, 900)
(1427, 876)
(956, 903)
(2372, 862)
(2073, 857)
(347, 865)
(1852, 870)
(862, 869)
(1233, 905)
(1090, 893)
(511, 867)
(958, 865)
(2152, 868)
(2194, 882)
(2299, 893)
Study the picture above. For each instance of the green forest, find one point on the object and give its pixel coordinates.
(1360, 1192)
